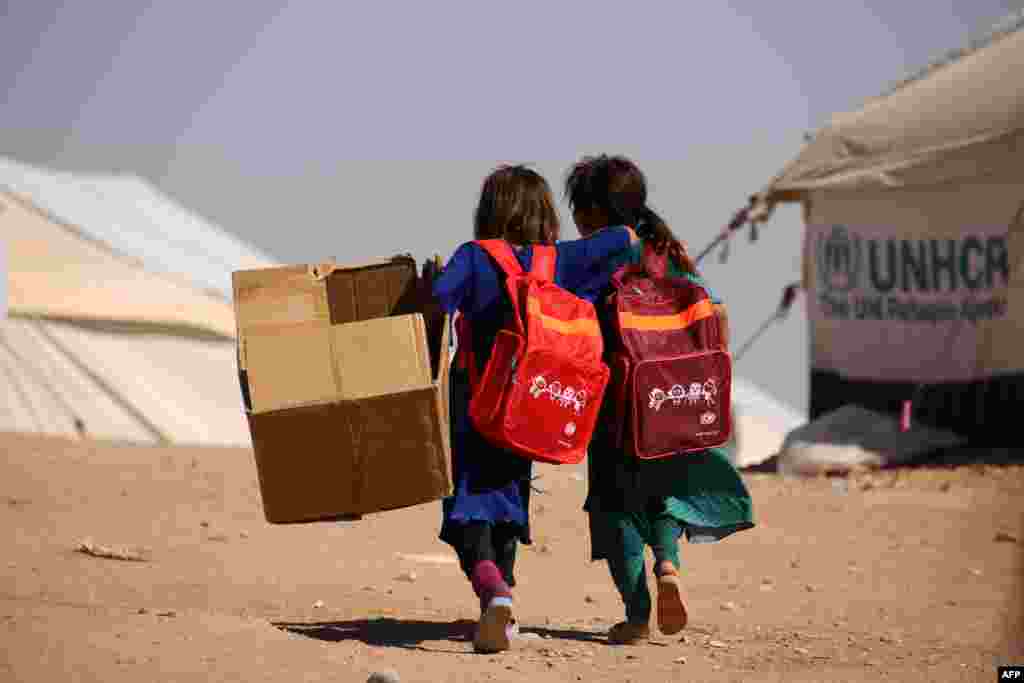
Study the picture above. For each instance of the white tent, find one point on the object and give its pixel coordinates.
(760, 424)
(914, 212)
(120, 324)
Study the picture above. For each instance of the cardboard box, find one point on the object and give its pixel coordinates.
(344, 373)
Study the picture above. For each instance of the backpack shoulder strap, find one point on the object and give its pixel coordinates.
(543, 265)
(502, 253)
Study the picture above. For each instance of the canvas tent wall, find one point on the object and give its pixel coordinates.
(914, 212)
(129, 217)
(120, 324)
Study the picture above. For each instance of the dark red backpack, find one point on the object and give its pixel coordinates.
(671, 372)
(542, 387)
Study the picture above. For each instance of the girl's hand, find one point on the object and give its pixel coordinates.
(431, 269)
(633, 238)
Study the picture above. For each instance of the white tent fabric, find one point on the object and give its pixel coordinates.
(56, 273)
(100, 382)
(42, 391)
(961, 120)
(175, 240)
(853, 438)
(761, 423)
(135, 220)
(120, 324)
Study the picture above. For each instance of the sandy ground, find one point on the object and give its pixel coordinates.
(900, 578)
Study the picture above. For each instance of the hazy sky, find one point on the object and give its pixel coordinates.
(316, 129)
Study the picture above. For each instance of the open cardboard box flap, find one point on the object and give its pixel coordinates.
(344, 371)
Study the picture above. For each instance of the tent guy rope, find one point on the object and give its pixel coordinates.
(788, 298)
(739, 219)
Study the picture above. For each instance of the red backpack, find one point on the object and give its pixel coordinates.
(542, 387)
(672, 374)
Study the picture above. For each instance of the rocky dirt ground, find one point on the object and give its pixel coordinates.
(900, 575)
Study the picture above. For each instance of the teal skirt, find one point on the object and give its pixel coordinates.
(702, 491)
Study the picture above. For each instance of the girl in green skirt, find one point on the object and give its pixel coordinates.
(635, 503)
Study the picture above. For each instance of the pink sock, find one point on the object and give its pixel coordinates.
(488, 582)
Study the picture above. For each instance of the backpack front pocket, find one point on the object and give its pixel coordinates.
(681, 404)
(553, 406)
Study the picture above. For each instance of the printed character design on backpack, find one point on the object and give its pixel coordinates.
(675, 373)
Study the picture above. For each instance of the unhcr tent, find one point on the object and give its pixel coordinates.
(914, 243)
(120, 324)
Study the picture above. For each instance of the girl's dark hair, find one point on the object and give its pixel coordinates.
(617, 188)
(516, 205)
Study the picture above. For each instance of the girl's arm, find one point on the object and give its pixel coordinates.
(590, 252)
(581, 262)
(455, 282)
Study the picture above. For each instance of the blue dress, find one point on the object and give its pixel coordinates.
(491, 484)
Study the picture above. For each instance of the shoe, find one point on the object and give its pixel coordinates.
(493, 631)
(628, 633)
(512, 629)
(672, 616)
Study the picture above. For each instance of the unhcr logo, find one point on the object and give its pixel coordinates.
(839, 260)
(913, 280)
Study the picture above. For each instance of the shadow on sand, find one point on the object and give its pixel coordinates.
(411, 634)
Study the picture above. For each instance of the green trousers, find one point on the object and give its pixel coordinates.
(635, 531)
